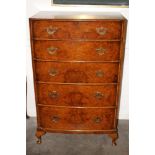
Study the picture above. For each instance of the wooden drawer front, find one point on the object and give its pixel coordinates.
(77, 95)
(77, 50)
(77, 30)
(76, 118)
(76, 72)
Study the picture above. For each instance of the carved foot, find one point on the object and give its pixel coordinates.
(40, 132)
(114, 137)
(39, 140)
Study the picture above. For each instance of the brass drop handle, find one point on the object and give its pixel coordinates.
(100, 51)
(53, 72)
(53, 94)
(101, 30)
(51, 30)
(52, 50)
(55, 119)
(97, 120)
(99, 95)
(99, 73)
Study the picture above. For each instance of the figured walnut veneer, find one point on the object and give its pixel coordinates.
(70, 30)
(69, 50)
(77, 72)
(76, 95)
(60, 118)
(77, 69)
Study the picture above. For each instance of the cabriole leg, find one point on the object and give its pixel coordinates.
(39, 140)
(40, 132)
(114, 137)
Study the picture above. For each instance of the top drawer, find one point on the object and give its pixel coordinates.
(49, 29)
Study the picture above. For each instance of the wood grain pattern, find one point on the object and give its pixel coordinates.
(34, 71)
(76, 118)
(74, 95)
(76, 72)
(77, 30)
(120, 75)
(77, 67)
(77, 50)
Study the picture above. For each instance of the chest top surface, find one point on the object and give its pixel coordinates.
(77, 16)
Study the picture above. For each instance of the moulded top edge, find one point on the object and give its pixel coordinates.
(78, 16)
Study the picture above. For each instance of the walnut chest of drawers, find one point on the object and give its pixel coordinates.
(77, 68)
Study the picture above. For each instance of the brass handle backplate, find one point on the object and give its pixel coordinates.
(100, 51)
(101, 30)
(97, 120)
(53, 72)
(52, 50)
(51, 30)
(99, 73)
(99, 95)
(55, 119)
(53, 94)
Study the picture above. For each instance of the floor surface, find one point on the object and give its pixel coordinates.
(77, 144)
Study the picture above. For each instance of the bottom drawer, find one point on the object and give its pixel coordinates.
(64, 118)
